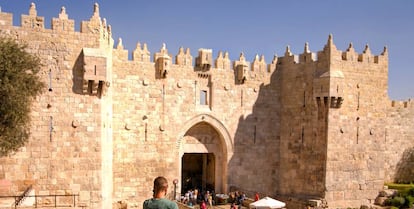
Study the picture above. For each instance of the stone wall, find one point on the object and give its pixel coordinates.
(355, 164)
(63, 154)
(151, 117)
(398, 140)
(314, 126)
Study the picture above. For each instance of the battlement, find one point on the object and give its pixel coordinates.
(222, 61)
(62, 24)
(258, 68)
(98, 26)
(402, 104)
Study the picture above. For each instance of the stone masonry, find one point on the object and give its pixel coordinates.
(315, 126)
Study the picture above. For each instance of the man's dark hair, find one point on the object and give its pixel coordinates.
(160, 184)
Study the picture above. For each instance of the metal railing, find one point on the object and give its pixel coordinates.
(18, 199)
(21, 198)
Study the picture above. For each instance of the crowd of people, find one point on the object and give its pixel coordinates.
(193, 197)
(207, 199)
(236, 199)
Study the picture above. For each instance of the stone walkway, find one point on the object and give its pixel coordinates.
(225, 206)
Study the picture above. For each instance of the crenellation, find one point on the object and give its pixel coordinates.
(241, 69)
(96, 15)
(184, 58)
(255, 65)
(94, 25)
(32, 20)
(329, 53)
(288, 57)
(141, 54)
(6, 19)
(120, 45)
(259, 68)
(226, 61)
(32, 10)
(120, 52)
(383, 57)
(307, 56)
(366, 55)
(223, 61)
(204, 61)
(401, 104)
(272, 66)
(350, 54)
(162, 62)
(63, 23)
(218, 63)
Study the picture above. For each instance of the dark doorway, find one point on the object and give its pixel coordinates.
(198, 172)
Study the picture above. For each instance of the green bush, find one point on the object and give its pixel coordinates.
(399, 187)
(397, 201)
(409, 201)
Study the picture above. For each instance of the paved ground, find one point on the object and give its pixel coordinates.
(225, 206)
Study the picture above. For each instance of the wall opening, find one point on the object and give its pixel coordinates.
(198, 172)
(205, 142)
(203, 97)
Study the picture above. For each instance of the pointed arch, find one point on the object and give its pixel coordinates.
(224, 137)
(216, 124)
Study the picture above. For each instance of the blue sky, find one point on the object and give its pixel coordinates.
(253, 27)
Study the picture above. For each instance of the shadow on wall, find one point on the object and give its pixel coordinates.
(77, 77)
(405, 167)
(254, 165)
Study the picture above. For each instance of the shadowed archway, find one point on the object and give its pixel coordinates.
(205, 141)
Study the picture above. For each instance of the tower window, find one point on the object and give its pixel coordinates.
(203, 97)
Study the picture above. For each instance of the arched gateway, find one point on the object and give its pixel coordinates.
(205, 148)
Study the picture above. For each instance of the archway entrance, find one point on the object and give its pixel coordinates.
(198, 172)
(205, 149)
(202, 159)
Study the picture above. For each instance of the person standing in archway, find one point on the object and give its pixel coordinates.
(256, 197)
(158, 200)
(203, 205)
(210, 200)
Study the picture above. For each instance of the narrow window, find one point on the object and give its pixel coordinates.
(254, 134)
(357, 135)
(90, 86)
(303, 134)
(100, 88)
(358, 102)
(203, 97)
(50, 80)
(241, 98)
(50, 128)
(304, 99)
